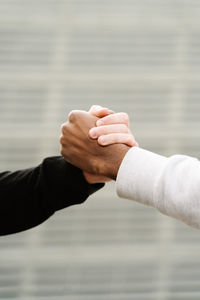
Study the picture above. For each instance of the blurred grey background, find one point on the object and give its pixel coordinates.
(137, 56)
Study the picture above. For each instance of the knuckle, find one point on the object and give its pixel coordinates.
(63, 127)
(125, 117)
(124, 128)
(62, 140)
(72, 116)
(131, 139)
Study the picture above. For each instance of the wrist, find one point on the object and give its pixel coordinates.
(111, 167)
(93, 179)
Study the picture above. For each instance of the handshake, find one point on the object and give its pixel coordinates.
(101, 146)
(96, 142)
(100, 143)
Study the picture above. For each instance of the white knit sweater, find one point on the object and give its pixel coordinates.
(171, 185)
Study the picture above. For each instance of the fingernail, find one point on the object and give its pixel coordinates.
(102, 140)
(93, 133)
(99, 123)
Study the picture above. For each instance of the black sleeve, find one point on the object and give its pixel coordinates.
(29, 197)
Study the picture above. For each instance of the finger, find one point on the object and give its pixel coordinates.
(94, 108)
(74, 114)
(117, 138)
(99, 111)
(95, 132)
(117, 118)
(81, 116)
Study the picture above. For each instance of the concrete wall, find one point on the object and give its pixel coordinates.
(138, 56)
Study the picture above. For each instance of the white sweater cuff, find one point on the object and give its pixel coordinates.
(138, 174)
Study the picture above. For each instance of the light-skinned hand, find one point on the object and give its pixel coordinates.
(112, 128)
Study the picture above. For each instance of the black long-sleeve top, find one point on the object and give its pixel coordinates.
(30, 196)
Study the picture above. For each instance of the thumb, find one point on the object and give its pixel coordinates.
(99, 111)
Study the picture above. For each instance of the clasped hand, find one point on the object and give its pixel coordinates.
(96, 142)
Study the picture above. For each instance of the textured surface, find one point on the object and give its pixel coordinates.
(138, 56)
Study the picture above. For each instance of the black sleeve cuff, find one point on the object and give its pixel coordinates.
(71, 186)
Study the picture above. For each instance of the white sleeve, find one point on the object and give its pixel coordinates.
(171, 185)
